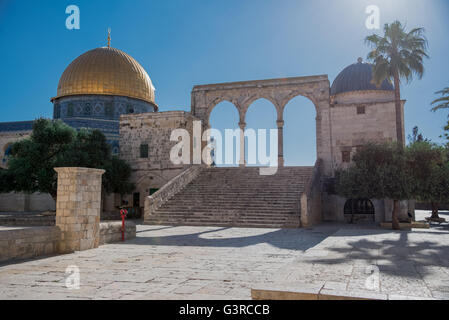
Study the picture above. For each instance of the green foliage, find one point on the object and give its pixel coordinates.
(115, 179)
(379, 171)
(54, 144)
(397, 52)
(446, 134)
(382, 171)
(443, 102)
(30, 167)
(430, 171)
(397, 55)
(416, 136)
(89, 149)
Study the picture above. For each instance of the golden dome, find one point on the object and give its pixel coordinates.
(106, 71)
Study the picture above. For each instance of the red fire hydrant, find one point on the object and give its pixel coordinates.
(123, 214)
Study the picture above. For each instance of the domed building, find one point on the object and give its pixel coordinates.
(93, 92)
(98, 87)
(358, 77)
(361, 112)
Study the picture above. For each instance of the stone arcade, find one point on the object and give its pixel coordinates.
(107, 89)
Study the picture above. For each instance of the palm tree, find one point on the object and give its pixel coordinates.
(443, 102)
(395, 55)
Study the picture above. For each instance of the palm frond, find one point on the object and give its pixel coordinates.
(442, 102)
(397, 51)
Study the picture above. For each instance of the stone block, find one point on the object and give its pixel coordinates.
(302, 291)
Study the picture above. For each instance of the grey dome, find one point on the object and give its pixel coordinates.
(357, 77)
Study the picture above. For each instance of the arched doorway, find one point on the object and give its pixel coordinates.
(359, 210)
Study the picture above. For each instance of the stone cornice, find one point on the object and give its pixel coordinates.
(355, 104)
(360, 91)
(261, 83)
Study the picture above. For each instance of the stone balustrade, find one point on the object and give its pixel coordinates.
(171, 188)
(310, 199)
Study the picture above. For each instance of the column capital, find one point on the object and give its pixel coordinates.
(280, 123)
(242, 125)
(79, 170)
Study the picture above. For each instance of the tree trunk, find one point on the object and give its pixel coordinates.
(54, 195)
(394, 218)
(352, 211)
(398, 109)
(435, 211)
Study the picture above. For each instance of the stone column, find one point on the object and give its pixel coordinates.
(204, 144)
(78, 208)
(242, 126)
(280, 124)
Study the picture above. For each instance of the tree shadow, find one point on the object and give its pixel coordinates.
(441, 226)
(412, 258)
(291, 239)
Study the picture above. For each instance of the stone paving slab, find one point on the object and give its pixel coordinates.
(166, 262)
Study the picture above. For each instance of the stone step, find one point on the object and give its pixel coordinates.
(222, 218)
(166, 213)
(221, 189)
(223, 209)
(242, 195)
(229, 207)
(237, 197)
(233, 222)
(222, 224)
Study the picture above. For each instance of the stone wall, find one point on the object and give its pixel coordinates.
(27, 219)
(27, 242)
(30, 242)
(154, 130)
(22, 202)
(361, 117)
(111, 232)
(311, 202)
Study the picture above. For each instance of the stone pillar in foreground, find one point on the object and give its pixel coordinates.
(78, 208)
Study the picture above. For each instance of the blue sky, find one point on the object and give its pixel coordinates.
(184, 43)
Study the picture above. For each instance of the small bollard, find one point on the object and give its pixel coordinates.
(123, 214)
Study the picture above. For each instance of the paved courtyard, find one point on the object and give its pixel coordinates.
(166, 262)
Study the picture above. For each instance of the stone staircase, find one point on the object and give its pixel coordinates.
(237, 197)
